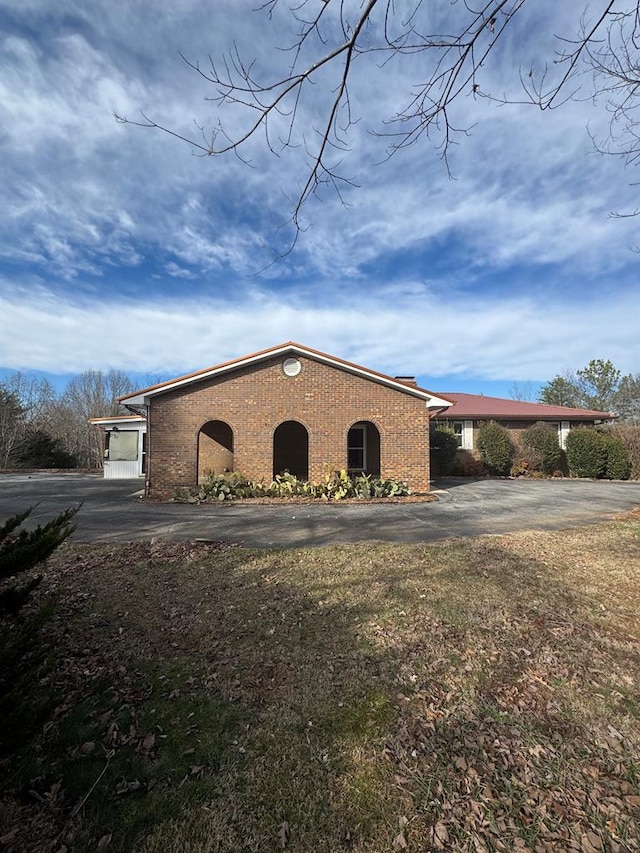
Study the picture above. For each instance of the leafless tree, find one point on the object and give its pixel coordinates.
(11, 426)
(524, 392)
(615, 61)
(332, 37)
(26, 403)
(29, 404)
(37, 397)
(91, 394)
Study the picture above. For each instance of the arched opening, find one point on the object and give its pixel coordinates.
(291, 450)
(215, 449)
(363, 449)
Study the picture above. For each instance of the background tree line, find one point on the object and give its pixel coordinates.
(43, 428)
(599, 386)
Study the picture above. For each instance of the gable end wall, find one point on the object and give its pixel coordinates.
(255, 399)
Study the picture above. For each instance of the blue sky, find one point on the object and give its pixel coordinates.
(121, 249)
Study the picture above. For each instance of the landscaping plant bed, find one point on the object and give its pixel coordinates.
(300, 499)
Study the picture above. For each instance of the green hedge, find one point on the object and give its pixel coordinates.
(541, 447)
(618, 466)
(444, 450)
(495, 448)
(595, 454)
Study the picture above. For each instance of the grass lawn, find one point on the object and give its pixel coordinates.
(476, 695)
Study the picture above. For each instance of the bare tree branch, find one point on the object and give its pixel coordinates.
(332, 35)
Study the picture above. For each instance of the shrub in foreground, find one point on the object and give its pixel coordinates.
(495, 448)
(21, 649)
(22, 550)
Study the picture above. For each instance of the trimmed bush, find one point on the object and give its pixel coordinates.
(495, 448)
(586, 453)
(444, 449)
(629, 434)
(541, 448)
(617, 465)
(596, 454)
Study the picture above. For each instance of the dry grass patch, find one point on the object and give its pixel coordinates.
(465, 696)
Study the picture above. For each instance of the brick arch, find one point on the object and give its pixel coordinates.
(215, 447)
(291, 449)
(363, 448)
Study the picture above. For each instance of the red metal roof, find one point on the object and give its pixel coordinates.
(479, 406)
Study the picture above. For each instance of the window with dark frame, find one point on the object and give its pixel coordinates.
(458, 431)
(357, 448)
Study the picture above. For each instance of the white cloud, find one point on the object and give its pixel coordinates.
(90, 203)
(420, 332)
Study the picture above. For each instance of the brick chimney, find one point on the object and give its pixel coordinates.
(407, 380)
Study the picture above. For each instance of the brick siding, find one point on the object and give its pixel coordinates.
(255, 399)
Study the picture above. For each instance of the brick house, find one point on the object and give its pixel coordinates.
(285, 408)
(470, 411)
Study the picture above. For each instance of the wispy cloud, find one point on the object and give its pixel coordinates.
(119, 247)
(420, 332)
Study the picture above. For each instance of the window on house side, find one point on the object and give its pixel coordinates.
(357, 448)
(123, 446)
(458, 431)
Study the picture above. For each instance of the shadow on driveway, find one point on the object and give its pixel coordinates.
(113, 510)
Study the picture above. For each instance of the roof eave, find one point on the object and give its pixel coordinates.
(144, 396)
(516, 416)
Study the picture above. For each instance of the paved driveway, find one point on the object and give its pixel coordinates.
(112, 510)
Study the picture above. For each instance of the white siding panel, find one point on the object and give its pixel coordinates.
(121, 470)
(467, 435)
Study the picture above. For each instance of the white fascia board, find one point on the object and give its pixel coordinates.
(143, 399)
(431, 400)
(434, 402)
(133, 421)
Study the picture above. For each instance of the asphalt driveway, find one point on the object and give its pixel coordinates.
(113, 511)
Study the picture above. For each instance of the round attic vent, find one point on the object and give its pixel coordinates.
(291, 367)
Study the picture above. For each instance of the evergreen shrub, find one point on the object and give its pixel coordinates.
(42, 451)
(617, 466)
(495, 448)
(586, 453)
(22, 550)
(541, 448)
(444, 449)
(597, 454)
